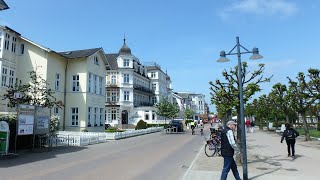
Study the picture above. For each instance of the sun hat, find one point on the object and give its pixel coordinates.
(231, 122)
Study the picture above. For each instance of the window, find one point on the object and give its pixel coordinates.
(57, 85)
(154, 100)
(154, 86)
(126, 78)
(101, 115)
(74, 116)
(75, 83)
(7, 42)
(56, 111)
(113, 96)
(14, 44)
(126, 62)
(126, 95)
(22, 48)
(100, 85)
(113, 79)
(94, 83)
(89, 116)
(153, 75)
(4, 77)
(11, 78)
(90, 83)
(153, 115)
(146, 115)
(113, 114)
(95, 116)
(96, 60)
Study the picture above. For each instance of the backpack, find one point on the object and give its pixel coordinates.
(290, 134)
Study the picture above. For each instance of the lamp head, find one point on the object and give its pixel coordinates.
(255, 54)
(223, 57)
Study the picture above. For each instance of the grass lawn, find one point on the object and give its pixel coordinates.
(313, 132)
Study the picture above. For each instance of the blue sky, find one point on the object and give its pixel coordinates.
(183, 36)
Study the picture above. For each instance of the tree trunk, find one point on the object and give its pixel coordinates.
(305, 127)
(287, 118)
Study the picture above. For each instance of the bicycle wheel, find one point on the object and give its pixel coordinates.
(209, 151)
(218, 151)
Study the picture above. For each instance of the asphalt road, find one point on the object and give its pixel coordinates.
(148, 157)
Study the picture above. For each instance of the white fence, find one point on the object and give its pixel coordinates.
(70, 138)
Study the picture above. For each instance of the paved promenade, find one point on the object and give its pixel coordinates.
(267, 159)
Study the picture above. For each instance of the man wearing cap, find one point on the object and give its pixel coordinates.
(228, 147)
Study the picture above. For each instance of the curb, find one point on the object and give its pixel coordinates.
(192, 164)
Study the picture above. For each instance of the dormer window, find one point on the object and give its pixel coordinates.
(153, 75)
(96, 60)
(126, 62)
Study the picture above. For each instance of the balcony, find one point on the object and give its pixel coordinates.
(143, 104)
(112, 86)
(143, 89)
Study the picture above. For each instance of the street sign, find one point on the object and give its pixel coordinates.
(25, 119)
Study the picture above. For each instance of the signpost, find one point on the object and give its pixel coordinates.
(4, 137)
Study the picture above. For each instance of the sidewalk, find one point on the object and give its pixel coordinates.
(267, 159)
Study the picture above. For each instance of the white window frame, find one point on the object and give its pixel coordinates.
(56, 110)
(126, 62)
(89, 116)
(101, 115)
(4, 74)
(126, 78)
(57, 84)
(74, 116)
(89, 82)
(113, 114)
(11, 77)
(96, 60)
(153, 75)
(113, 79)
(94, 83)
(126, 95)
(100, 85)
(75, 85)
(95, 116)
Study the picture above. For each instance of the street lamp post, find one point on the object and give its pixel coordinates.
(255, 56)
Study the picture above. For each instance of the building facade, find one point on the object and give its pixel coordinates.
(77, 78)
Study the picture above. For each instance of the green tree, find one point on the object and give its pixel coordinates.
(166, 109)
(36, 92)
(188, 113)
(225, 95)
(303, 98)
(314, 75)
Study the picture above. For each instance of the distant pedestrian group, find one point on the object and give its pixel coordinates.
(249, 125)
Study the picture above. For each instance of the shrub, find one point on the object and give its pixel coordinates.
(54, 124)
(113, 129)
(84, 130)
(141, 125)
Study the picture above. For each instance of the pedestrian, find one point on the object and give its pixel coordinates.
(228, 149)
(252, 126)
(290, 135)
(248, 125)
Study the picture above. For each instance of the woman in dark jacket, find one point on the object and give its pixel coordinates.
(290, 135)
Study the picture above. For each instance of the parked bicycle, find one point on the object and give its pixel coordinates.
(213, 144)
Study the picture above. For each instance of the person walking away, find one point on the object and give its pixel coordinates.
(248, 125)
(290, 135)
(228, 149)
(192, 125)
(252, 126)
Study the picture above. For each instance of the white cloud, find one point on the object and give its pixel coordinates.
(260, 7)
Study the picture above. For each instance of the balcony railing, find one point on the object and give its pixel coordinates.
(143, 89)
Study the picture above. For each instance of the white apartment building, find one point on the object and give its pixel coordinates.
(128, 91)
(194, 101)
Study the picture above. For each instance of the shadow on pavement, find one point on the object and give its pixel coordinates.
(269, 172)
(28, 156)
